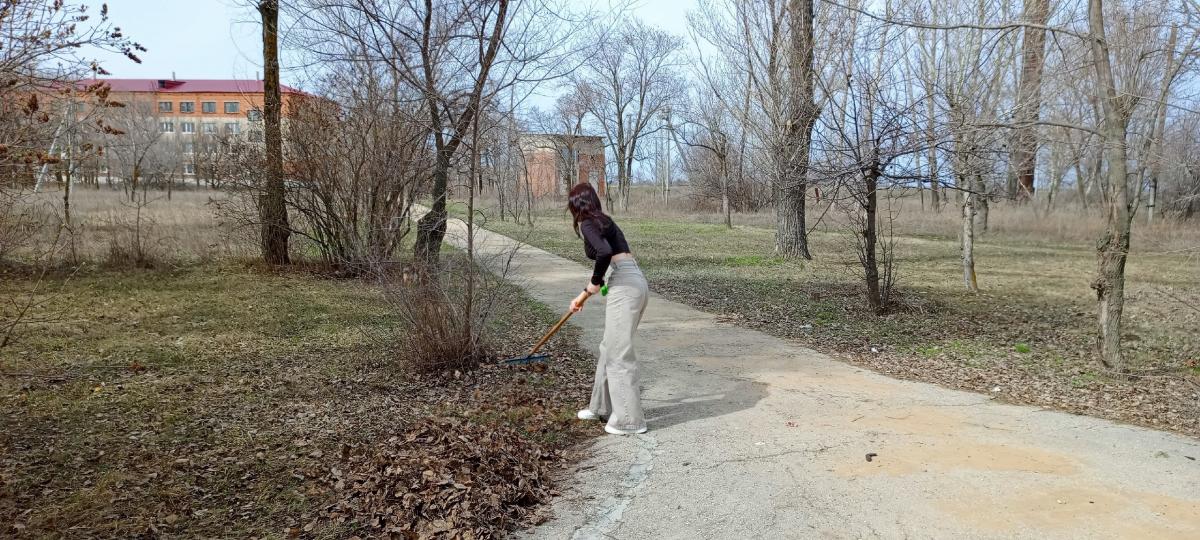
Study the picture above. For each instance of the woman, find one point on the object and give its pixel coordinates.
(615, 394)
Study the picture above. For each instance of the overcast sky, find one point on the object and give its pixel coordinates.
(219, 39)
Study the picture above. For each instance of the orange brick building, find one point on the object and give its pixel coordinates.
(556, 162)
(184, 108)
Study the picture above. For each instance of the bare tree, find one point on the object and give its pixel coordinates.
(272, 210)
(628, 79)
(972, 89)
(136, 133)
(358, 163)
(502, 164)
(708, 128)
(454, 55)
(1124, 64)
(791, 235)
(43, 48)
(567, 122)
(866, 144)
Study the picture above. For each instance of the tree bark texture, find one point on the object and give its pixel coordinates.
(1112, 250)
(1029, 101)
(272, 207)
(791, 236)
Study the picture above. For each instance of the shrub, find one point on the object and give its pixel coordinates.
(445, 314)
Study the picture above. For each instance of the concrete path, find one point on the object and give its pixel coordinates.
(755, 437)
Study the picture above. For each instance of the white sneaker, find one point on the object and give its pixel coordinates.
(616, 431)
(586, 414)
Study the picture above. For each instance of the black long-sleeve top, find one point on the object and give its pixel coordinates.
(602, 239)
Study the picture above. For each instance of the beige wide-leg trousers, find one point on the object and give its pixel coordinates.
(617, 390)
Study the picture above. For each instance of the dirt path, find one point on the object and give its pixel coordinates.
(754, 437)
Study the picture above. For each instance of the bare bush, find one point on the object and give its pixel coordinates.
(355, 160)
(445, 315)
(504, 169)
(20, 222)
(356, 169)
(129, 243)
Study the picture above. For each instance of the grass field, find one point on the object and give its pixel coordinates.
(1028, 336)
(210, 397)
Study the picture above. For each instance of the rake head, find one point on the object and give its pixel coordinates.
(527, 359)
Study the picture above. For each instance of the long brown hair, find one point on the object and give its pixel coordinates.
(584, 204)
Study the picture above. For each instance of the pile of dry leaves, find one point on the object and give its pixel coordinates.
(483, 463)
(443, 477)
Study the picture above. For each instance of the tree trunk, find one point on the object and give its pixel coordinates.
(133, 183)
(791, 236)
(968, 239)
(1160, 125)
(1023, 161)
(982, 204)
(725, 210)
(723, 163)
(272, 205)
(66, 200)
(1112, 250)
(1054, 185)
(929, 65)
(621, 180)
(1081, 184)
(431, 229)
(870, 242)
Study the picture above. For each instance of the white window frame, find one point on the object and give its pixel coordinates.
(187, 127)
(189, 168)
(233, 128)
(166, 127)
(208, 128)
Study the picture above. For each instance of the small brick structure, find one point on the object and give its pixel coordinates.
(555, 162)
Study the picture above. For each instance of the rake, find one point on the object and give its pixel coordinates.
(533, 356)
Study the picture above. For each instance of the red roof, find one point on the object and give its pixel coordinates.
(235, 86)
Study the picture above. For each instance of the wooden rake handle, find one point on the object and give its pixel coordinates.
(555, 328)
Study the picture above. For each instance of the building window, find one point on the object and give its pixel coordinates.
(189, 147)
(232, 128)
(209, 127)
(166, 127)
(208, 107)
(187, 127)
(187, 106)
(231, 107)
(255, 136)
(254, 115)
(164, 106)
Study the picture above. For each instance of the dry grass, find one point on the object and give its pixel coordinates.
(1067, 224)
(1030, 331)
(218, 400)
(200, 396)
(182, 229)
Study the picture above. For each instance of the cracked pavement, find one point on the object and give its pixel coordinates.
(755, 437)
